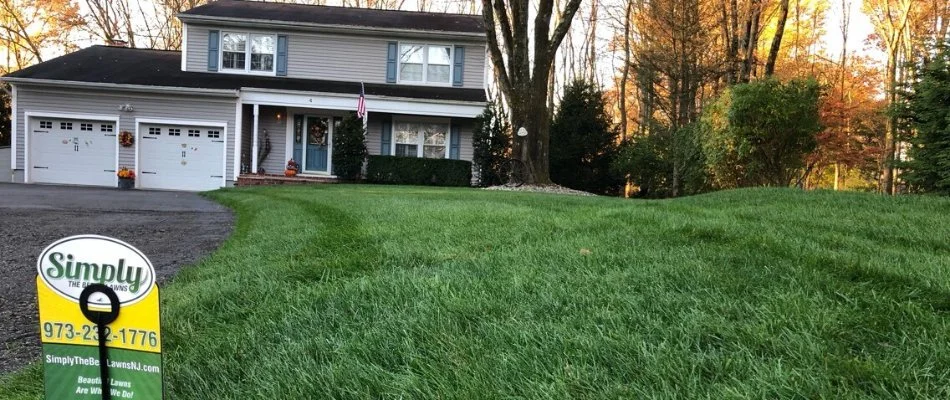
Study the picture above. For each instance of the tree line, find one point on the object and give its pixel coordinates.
(727, 93)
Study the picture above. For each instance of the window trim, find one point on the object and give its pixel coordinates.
(420, 151)
(425, 63)
(247, 54)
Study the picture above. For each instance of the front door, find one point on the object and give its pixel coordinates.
(318, 137)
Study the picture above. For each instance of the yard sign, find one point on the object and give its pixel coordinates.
(71, 344)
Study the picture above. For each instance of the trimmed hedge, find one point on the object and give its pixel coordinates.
(419, 171)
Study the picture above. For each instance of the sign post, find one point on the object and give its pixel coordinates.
(99, 320)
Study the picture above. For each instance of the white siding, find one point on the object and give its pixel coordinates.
(106, 102)
(336, 57)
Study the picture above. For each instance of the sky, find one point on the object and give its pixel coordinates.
(860, 29)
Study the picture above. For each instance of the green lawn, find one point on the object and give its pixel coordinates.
(341, 291)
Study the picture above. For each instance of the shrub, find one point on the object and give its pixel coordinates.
(491, 142)
(584, 141)
(759, 133)
(419, 171)
(664, 163)
(349, 148)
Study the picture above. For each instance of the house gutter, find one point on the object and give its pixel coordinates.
(342, 29)
(230, 93)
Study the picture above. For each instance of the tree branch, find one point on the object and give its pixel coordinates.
(501, 73)
(562, 27)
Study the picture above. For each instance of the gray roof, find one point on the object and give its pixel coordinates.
(340, 16)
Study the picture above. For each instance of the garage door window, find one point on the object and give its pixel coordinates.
(174, 132)
(85, 127)
(46, 124)
(194, 133)
(106, 128)
(66, 126)
(155, 131)
(214, 134)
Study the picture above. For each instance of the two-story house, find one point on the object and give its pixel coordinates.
(254, 85)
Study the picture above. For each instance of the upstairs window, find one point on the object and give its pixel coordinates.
(248, 52)
(425, 63)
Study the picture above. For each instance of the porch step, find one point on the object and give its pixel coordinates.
(268, 179)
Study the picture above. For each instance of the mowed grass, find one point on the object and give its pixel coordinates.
(385, 292)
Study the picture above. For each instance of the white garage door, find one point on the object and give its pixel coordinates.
(181, 157)
(72, 151)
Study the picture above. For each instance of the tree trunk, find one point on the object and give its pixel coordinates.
(749, 42)
(887, 176)
(777, 40)
(622, 95)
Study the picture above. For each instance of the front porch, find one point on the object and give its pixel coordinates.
(275, 179)
(277, 127)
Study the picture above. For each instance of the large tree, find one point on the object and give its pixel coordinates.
(522, 55)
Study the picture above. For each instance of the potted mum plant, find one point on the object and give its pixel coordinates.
(126, 178)
(292, 168)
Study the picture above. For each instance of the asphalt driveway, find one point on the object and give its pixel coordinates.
(173, 229)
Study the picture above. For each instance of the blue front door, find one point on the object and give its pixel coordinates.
(317, 144)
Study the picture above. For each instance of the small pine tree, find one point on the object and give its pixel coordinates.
(584, 141)
(928, 167)
(491, 140)
(349, 148)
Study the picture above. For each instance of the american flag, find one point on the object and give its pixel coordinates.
(361, 105)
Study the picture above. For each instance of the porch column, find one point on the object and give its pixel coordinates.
(238, 135)
(257, 112)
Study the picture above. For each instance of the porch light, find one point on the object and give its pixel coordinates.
(278, 116)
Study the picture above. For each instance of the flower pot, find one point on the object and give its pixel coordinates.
(290, 172)
(126, 183)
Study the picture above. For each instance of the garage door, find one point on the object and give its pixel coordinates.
(181, 157)
(72, 151)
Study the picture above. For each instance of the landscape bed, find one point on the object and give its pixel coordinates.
(343, 291)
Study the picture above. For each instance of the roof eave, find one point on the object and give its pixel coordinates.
(347, 29)
(122, 86)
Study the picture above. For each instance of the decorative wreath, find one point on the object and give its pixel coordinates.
(126, 139)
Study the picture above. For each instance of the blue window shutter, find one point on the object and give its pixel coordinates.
(281, 55)
(459, 66)
(391, 55)
(455, 140)
(386, 142)
(213, 50)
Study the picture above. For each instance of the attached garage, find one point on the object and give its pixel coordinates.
(72, 151)
(181, 155)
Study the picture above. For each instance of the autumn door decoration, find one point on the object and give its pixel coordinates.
(126, 139)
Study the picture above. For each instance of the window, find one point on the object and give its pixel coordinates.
(66, 126)
(105, 128)
(248, 52)
(46, 124)
(233, 50)
(425, 63)
(85, 127)
(214, 134)
(414, 139)
(174, 132)
(154, 131)
(194, 133)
